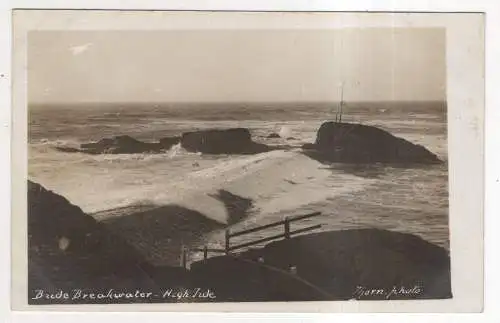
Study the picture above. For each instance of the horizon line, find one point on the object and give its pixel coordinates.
(232, 102)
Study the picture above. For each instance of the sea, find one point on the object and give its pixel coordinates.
(279, 183)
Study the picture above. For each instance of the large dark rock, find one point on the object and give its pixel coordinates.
(356, 143)
(335, 265)
(68, 250)
(222, 141)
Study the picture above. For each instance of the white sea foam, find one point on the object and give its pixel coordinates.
(285, 132)
(55, 143)
(274, 181)
(278, 180)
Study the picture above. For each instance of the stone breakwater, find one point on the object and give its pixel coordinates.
(335, 142)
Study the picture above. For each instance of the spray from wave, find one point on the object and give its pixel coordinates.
(285, 132)
(49, 147)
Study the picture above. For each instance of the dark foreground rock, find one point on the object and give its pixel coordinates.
(337, 265)
(69, 251)
(222, 141)
(356, 143)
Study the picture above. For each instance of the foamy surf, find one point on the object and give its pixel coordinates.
(276, 182)
(45, 146)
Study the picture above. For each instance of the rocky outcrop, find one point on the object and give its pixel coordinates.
(356, 143)
(68, 249)
(123, 145)
(53, 219)
(119, 145)
(213, 141)
(222, 141)
(336, 265)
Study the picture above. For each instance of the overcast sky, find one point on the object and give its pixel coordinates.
(236, 66)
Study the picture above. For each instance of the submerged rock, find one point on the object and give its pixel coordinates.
(68, 149)
(273, 135)
(222, 141)
(119, 145)
(356, 143)
(123, 145)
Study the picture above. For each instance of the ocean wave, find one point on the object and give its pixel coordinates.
(176, 151)
(43, 142)
(49, 146)
(275, 181)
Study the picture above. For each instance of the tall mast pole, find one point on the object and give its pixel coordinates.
(341, 101)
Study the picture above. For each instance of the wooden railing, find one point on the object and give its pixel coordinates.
(287, 234)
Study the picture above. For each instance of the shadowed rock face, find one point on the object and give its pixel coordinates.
(66, 246)
(159, 233)
(332, 266)
(356, 143)
(237, 207)
(68, 249)
(222, 141)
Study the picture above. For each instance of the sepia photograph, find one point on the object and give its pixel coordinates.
(237, 165)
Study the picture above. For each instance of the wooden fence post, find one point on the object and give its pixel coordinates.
(181, 255)
(227, 241)
(287, 228)
(205, 253)
(184, 257)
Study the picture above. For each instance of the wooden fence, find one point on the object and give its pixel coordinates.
(287, 234)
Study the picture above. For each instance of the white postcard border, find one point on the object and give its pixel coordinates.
(465, 131)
